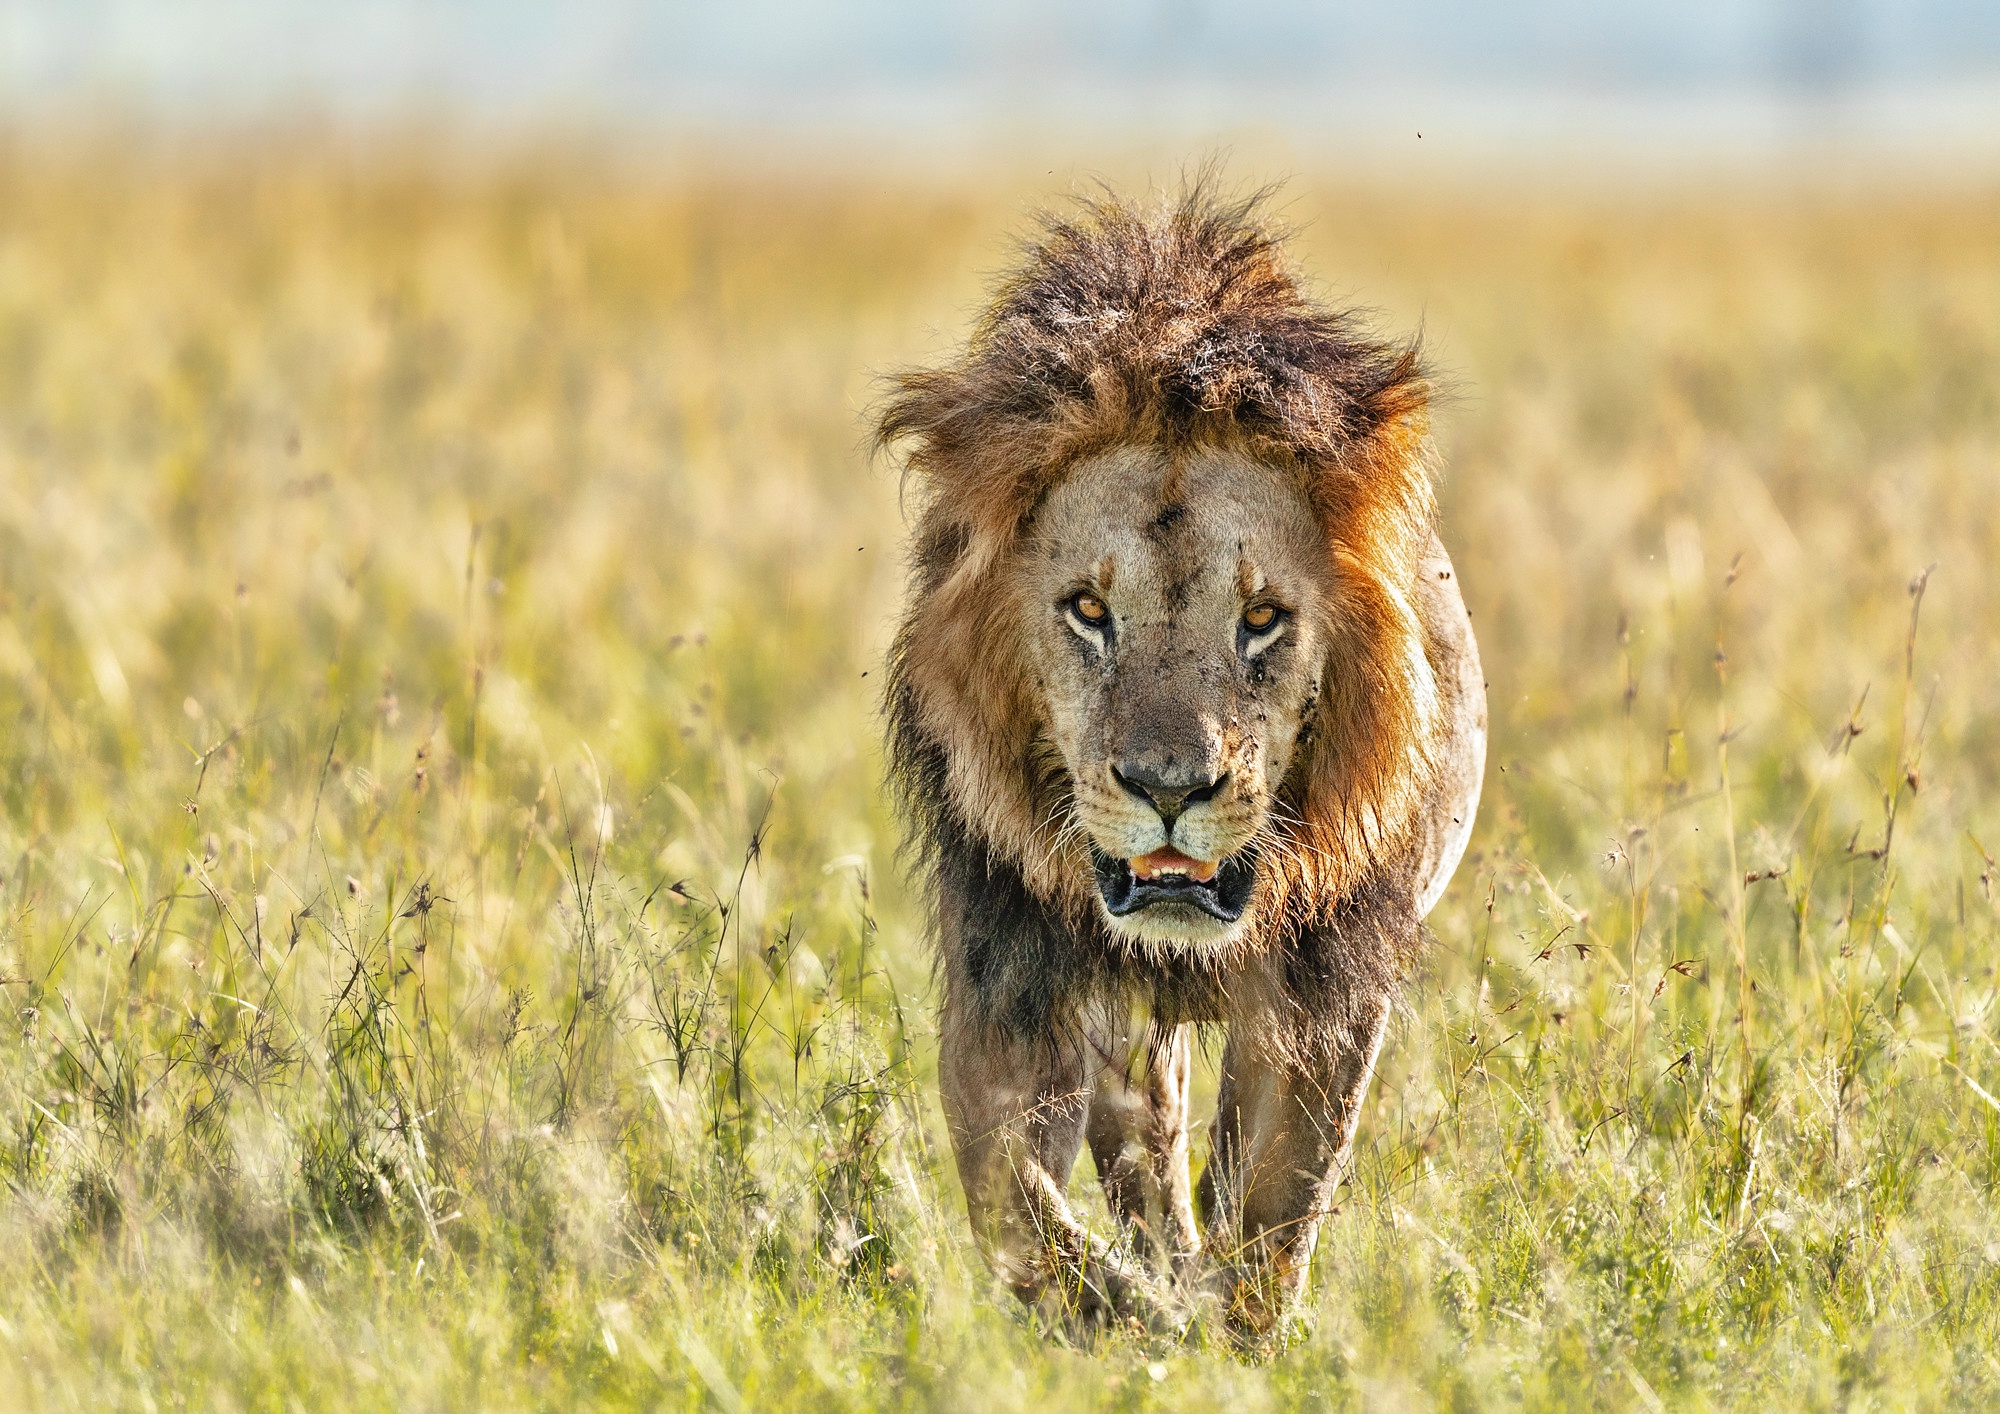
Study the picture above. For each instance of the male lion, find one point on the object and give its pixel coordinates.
(1187, 717)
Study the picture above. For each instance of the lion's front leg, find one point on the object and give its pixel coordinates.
(1282, 1135)
(1139, 1140)
(1017, 1112)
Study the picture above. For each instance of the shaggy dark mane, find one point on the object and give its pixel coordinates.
(1180, 326)
(1176, 326)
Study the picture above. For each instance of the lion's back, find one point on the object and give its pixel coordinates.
(1444, 822)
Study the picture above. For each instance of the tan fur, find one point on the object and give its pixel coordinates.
(1155, 415)
(984, 463)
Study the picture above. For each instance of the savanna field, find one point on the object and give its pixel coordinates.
(451, 933)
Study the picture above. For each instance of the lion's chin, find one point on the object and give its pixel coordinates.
(1174, 911)
(1165, 929)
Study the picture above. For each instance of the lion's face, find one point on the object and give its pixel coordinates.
(1172, 611)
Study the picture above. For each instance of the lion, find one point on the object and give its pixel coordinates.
(1186, 719)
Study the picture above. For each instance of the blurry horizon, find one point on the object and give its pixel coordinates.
(1704, 78)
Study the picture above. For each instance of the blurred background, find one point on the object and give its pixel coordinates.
(444, 583)
(1701, 78)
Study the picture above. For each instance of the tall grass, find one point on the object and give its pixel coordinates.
(454, 949)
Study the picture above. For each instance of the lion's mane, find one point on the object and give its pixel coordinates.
(1178, 327)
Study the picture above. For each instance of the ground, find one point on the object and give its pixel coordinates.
(450, 924)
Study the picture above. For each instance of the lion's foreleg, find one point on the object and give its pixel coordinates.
(1017, 1112)
(1283, 1132)
(1139, 1140)
(1169, 1075)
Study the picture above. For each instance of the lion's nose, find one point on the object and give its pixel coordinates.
(1168, 789)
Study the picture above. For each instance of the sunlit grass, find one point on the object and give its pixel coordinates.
(450, 923)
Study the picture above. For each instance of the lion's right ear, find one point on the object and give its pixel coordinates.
(980, 471)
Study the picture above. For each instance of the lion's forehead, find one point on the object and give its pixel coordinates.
(1163, 533)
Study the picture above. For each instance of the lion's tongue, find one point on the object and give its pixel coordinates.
(1172, 861)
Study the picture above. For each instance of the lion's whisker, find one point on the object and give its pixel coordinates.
(1071, 829)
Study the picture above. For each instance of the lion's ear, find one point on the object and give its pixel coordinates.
(1397, 446)
(1375, 496)
(981, 550)
(976, 535)
(1401, 417)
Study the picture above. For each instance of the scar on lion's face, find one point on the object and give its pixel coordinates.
(1174, 611)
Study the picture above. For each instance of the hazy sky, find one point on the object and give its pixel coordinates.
(796, 63)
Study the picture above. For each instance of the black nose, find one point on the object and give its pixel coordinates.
(1168, 789)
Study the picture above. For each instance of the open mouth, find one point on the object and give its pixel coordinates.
(1219, 888)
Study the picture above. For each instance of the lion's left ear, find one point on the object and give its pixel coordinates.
(1399, 421)
(1372, 492)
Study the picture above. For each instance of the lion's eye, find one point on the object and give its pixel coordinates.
(1259, 617)
(1090, 609)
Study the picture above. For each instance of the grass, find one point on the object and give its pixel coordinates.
(452, 940)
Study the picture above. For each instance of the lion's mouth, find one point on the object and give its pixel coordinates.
(1219, 888)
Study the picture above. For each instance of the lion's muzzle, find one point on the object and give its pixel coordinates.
(1171, 787)
(1222, 896)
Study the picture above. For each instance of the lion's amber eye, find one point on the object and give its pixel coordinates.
(1089, 608)
(1259, 617)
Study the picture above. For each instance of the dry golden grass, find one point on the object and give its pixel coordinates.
(452, 941)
